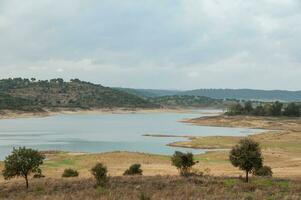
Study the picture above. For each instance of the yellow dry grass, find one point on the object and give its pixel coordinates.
(281, 143)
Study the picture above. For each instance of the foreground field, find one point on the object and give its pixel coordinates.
(160, 180)
(154, 187)
(117, 162)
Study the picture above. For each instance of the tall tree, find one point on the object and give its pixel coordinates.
(248, 107)
(277, 108)
(292, 110)
(247, 156)
(21, 163)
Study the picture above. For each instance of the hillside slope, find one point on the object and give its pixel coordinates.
(240, 94)
(176, 101)
(247, 94)
(150, 93)
(23, 93)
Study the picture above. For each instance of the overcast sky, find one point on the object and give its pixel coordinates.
(170, 44)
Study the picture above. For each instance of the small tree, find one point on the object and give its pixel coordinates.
(259, 111)
(183, 161)
(277, 108)
(247, 156)
(292, 110)
(236, 109)
(99, 171)
(22, 162)
(248, 107)
(134, 169)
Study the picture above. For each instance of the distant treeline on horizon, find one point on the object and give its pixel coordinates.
(274, 109)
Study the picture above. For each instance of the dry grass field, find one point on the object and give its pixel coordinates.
(154, 187)
(281, 142)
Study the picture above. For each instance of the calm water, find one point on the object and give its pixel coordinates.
(105, 132)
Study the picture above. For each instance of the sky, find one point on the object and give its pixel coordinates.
(170, 44)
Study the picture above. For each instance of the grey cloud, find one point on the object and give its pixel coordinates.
(183, 43)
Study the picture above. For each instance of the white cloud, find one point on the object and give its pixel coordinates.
(183, 43)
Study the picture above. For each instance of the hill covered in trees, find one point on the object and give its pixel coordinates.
(25, 94)
(248, 94)
(187, 101)
(240, 94)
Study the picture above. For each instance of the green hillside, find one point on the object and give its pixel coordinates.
(23, 94)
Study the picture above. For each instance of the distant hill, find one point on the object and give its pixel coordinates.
(240, 94)
(247, 94)
(28, 94)
(37, 95)
(146, 93)
(176, 101)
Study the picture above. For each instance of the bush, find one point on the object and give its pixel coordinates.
(133, 170)
(70, 173)
(99, 171)
(183, 161)
(38, 175)
(264, 171)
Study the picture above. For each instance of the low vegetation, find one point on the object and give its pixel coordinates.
(263, 171)
(100, 173)
(70, 173)
(134, 169)
(156, 187)
(183, 162)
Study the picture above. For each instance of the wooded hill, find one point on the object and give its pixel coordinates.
(239, 94)
(177, 101)
(25, 94)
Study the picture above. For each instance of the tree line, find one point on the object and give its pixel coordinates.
(266, 109)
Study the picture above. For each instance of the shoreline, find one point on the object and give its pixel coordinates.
(9, 114)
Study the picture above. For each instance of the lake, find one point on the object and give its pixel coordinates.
(107, 132)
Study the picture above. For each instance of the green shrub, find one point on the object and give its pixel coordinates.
(99, 171)
(39, 190)
(134, 169)
(70, 173)
(230, 182)
(264, 171)
(183, 161)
